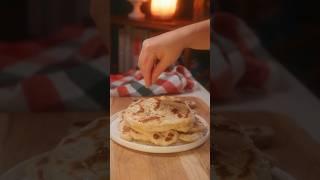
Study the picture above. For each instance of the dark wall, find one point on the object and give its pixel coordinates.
(13, 18)
(289, 29)
(23, 19)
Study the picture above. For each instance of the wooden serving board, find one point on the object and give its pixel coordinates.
(293, 149)
(127, 164)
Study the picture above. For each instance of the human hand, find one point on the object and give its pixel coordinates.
(157, 54)
(161, 51)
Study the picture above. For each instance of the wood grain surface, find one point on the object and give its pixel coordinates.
(126, 164)
(24, 135)
(292, 148)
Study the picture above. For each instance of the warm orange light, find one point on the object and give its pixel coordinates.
(163, 9)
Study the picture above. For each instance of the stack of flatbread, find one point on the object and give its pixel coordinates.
(235, 155)
(160, 121)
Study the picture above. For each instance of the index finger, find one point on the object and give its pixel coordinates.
(146, 65)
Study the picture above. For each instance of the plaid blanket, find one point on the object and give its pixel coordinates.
(173, 81)
(67, 72)
(237, 57)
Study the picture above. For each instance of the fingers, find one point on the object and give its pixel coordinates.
(148, 66)
(158, 69)
(146, 63)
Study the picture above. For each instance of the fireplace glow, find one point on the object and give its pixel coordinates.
(163, 9)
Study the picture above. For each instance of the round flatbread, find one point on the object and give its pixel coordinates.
(165, 138)
(161, 138)
(190, 137)
(159, 114)
(196, 132)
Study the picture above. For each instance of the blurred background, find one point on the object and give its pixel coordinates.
(265, 67)
(35, 18)
(47, 50)
(289, 30)
(53, 78)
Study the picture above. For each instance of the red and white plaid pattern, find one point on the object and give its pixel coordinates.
(173, 81)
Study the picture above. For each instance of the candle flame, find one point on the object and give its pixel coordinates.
(163, 9)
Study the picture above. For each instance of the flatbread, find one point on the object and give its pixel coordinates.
(160, 138)
(159, 114)
(190, 137)
(163, 138)
(196, 132)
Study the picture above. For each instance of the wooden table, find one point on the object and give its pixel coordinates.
(24, 135)
(126, 164)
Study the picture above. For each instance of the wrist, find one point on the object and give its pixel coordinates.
(196, 36)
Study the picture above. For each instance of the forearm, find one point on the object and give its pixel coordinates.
(196, 36)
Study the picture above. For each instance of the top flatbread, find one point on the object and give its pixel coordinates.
(159, 114)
